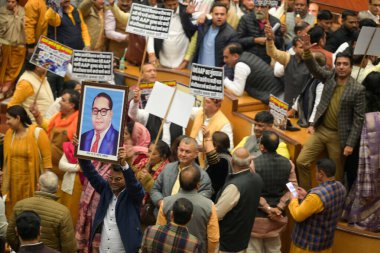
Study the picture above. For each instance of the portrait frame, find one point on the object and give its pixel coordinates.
(109, 126)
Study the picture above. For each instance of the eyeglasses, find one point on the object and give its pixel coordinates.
(116, 179)
(102, 111)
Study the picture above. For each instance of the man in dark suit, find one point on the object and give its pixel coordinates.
(339, 118)
(103, 138)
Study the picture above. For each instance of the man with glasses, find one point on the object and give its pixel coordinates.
(103, 138)
(117, 217)
(373, 11)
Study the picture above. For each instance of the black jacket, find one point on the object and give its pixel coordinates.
(226, 35)
(249, 29)
(337, 38)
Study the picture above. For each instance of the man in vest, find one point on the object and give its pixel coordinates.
(251, 74)
(32, 80)
(318, 214)
(93, 14)
(70, 29)
(204, 224)
(296, 71)
(170, 130)
(276, 171)
(115, 27)
(212, 117)
(263, 121)
(237, 204)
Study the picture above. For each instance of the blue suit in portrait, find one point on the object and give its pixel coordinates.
(108, 145)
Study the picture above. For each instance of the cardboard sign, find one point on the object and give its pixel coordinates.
(271, 3)
(180, 110)
(368, 42)
(52, 56)
(149, 21)
(93, 66)
(278, 109)
(207, 81)
(146, 89)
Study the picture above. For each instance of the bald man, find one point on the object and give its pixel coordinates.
(204, 223)
(236, 206)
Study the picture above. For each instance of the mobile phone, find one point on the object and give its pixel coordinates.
(292, 189)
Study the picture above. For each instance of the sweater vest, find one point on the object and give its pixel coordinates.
(317, 232)
(274, 169)
(236, 226)
(153, 125)
(45, 97)
(261, 82)
(202, 208)
(118, 47)
(216, 123)
(68, 33)
(252, 146)
(295, 78)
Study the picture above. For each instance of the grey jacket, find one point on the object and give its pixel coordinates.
(164, 184)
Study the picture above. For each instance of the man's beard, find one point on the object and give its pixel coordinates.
(260, 15)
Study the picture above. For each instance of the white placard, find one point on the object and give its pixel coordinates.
(149, 21)
(92, 66)
(368, 42)
(181, 107)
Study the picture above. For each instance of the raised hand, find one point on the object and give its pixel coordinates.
(191, 5)
(268, 32)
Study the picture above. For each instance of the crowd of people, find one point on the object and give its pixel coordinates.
(197, 192)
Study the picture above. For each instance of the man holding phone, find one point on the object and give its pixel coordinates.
(317, 215)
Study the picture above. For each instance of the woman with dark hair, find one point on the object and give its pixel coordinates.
(147, 171)
(218, 158)
(362, 206)
(26, 154)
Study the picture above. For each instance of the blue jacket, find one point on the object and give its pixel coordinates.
(108, 145)
(127, 206)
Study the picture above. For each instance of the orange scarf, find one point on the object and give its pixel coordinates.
(70, 123)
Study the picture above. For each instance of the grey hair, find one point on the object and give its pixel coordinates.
(49, 182)
(241, 162)
(189, 140)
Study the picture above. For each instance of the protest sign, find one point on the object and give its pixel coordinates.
(93, 66)
(271, 3)
(278, 109)
(180, 108)
(146, 90)
(149, 21)
(52, 56)
(368, 42)
(207, 81)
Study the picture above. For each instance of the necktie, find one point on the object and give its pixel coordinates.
(94, 147)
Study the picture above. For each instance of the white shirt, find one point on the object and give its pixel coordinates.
(141, 116)
(110, 28)
(237, 86)
(174, 47)
(102, 134)
(227, 128)
(110, 241)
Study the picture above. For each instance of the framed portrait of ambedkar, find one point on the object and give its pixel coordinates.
(101, 121)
